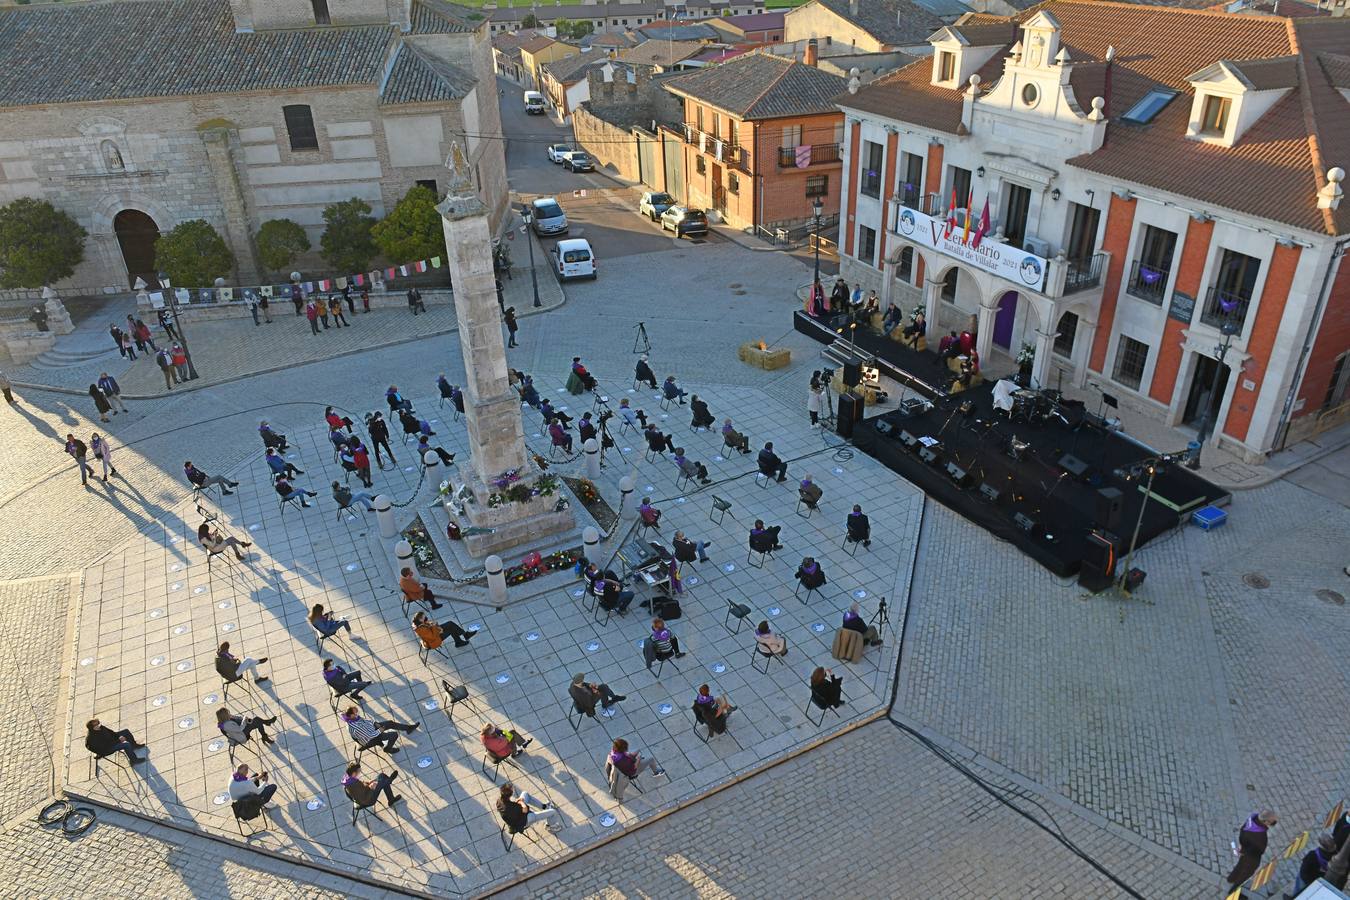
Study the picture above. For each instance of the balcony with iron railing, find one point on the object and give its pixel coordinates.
(723, 151)
(820, 155)
(1084, 274)
(1147, 282)
(1226, 307)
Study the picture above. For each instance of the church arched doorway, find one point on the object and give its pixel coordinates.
(136, 235)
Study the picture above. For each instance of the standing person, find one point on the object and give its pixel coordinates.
(347, 298)
(179, 356)
(415, 301)
(251, 301)
(312, 313)
(78, 452)
(335, 309)
(100, 402)
(1252, 840)
(113, 391)
(165, 363)
(511, 326)
(144, 335)
(103, 453)
(116, 334)
(166, 322)
(378, 429)
(7, 388)
(365, 300)
(135, 335)
(129, 346)
(322, 306)
(265, 304)
(813, 398)
(361, 459)
(297, 298)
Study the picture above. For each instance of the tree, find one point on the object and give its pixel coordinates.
(530, 21)
(412, 230)
(39, 244)
(346, 240)
(574, 30)
(280, 241)
(193, 254)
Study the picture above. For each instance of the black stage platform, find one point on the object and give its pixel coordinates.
(1062, 503)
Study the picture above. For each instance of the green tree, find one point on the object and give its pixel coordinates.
(280, 241)
(575, 30)
(193, 254)
(529, 21)
(39, 244)
(412, 230)
(346, 240)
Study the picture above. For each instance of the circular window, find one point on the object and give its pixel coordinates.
(1030, 95)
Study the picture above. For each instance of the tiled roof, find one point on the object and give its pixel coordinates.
(439, 17)
(658, 31)
(537, 43)
(891, 22)
(947, 9)
(572, 69)
(766, 21)
(592, 11)
(1286, 152)
(762, 86)
(155, 48)
(661, 53)
(513, 40)
(419, 77)
(991, 34)
(1336, 67)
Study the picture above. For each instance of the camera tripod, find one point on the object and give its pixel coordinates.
(640, 343)
(882, 617)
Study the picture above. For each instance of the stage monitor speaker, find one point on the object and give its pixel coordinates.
(1025, 522)
(1098, 568)
(852, 373)
(958, 474)
(931, 455)
(883, 426)
(1073, 465)
(1134, 578)
(990, 493)
(1109, 503)
(850, 413)
(909, 440)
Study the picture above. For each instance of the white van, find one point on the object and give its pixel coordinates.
(534, 103)
(573, 258)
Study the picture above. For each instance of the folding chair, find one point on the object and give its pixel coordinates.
(665, 401)
(343, 509)
(509, 842)
(212, 554)
(740, 611)
(756, 653)
(618, 781)
(357, 810)
(662, 660)
(294, 497)
(809, 508)
(763, 555)
(452, 695)
(652, 455)
(497, 762)
(626, 427)
(581, 715)
(424, 653)
(556, 451)
(227, 680)
(848, 539)
(797, 592)
(600, 607)
(683, 480)
(700, 720)
(767, 476)
(118, 758)
(239, 820)
(813, 701)
(336, 695)
(644, 527)
(719, 506)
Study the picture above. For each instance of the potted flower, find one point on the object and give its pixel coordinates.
(1025, 358)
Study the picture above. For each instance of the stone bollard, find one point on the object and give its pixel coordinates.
(590, 540)
(626, 487)
(404, 551)
(496, 580)
(592, 450)
(384, 515)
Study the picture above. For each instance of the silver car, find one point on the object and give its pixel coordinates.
(549, 219)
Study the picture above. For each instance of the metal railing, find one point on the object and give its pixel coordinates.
(820, 153)
(1084, 273)
(1223, 306)
(1147, 282)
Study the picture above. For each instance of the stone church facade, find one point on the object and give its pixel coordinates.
(138, 115)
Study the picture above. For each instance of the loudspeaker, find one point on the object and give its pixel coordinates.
(1098, 568)
(850, 413)
(990, 493)
(883, 427)
(931, 455)
(852, 373)
(958, 474)
(909, 440)
(1026, 523)
(1073, 465)
(1134, 578)
(1109, 503)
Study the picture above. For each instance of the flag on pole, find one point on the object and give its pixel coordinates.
(403, 270)
(983, 228)
(324, 284)
(965, 231)
(951, 217)
(308, 287)
(1296, 847)
(359, 279)
(421, 265)
(435, 262)
(342, 282)
(389, 273)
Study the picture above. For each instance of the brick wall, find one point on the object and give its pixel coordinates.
(1333, 339)
(1190, 268)
(611, 146)
(1269, 313)
(1116, 241)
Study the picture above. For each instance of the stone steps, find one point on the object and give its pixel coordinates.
(56, 358)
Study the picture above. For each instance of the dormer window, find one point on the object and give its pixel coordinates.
(946, 66)
(1214, 116)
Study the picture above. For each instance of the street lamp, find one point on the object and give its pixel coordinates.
(1228, 328)
(817, 212)
(527, 218)
(178, 324)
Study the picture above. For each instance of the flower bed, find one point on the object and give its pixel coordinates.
(428, 558)
(535, 566)
(588, 495)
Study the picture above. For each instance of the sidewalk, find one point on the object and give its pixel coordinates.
(229, 349)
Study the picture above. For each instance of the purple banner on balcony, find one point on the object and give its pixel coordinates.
(803, 156)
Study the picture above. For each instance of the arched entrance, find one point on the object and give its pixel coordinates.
(136, 235)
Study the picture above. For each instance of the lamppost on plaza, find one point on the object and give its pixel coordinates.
(527, 218)
(817, 212)
(1228, 328)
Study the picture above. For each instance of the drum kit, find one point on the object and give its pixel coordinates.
(1036, 407)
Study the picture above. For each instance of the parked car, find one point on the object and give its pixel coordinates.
(682, 220)
(556, 152)
(654, 204)
(549, 218)
(534, 103)
(578, 161)
(573, 258)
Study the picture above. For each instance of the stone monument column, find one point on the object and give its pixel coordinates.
(491, 407)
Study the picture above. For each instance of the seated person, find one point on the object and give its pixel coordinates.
(702, 418)
(586, 428)
(503, 744)
(433, 635)
(634, 417)
(826, 689)
(558, 436)
(691, 469)
(613, 598)
(585, 694)
(733, 438)
(650, 515)
(767, 642)
(325, 624)
(891, 319)
(672, 390)
(200, 480)
(657, 441)
(101, 741)
(335, 421)
(770, 464)
(246, 787)
(344, 497)
(549, 413)
(366, 793)
(853, 621)
(368, 734)
(444, 387)
(457, 399)
(516, 812)
(411, 424)
(859, 528)
(343, 682)
(415, 302)
(916, 329)
(810, 574)
(763, 539)
(712, 711)
(273, 440)
(395, 400)
(946, 345)
(810, 492)
(643, 373)
(663, 644)
(286, 491)
(232, 668)
(423, 445)
(213, 541)
(631, 764)
(414, 591)
(528, 393)
(240, 728)
(277, 463)
(687, 550)
(586, 378)
(871, 305)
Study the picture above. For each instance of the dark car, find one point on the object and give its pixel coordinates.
(682, 220)
(578, 161)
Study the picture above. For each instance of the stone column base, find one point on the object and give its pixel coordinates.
(516, 534)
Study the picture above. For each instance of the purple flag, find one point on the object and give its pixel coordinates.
(803, 156)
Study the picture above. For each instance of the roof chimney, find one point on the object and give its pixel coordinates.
(853, 8)
(810, 56)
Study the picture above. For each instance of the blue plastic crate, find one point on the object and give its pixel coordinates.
(1209, 517)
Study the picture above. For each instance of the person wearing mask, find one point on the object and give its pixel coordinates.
(826, 688)
(213, 541)
(672, 390)
(240, 728)
(503, 744)
(270, 438)
(632, 764)
(511, 326)
(517, 812)
(335, 310)
(585, 694)
(810, 574)
(144, 335)
(762, 538)
(325, 624)
(200, 480)
(231, 667)
(810, 493)
(102, 450)
(613, 597)
(166, 322)
(733, 438)
(770, 464)
(361, 460)
(101, 741)
(368, 734)
(367, 793)
(687, 550)
(702, 418)
(76, 450)
(413, 589)
(287, 491)
(378, 429)
(549, 413)
(279, 466)
(396, 400)
(180, 363)
(343, 496)
(343, 682)
(433, 635)
(101, 403)
(664, 643)
(335, 421)
(528, 394)
(650, 515)
(257, 788)
(713, 710)
(690, 469)
(586, 428)
(814, 398)
(769, 643)
(853, 621)
(112, 391)
(558, 437)
(1314, 864)
(1252, 840)
(424, 445)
